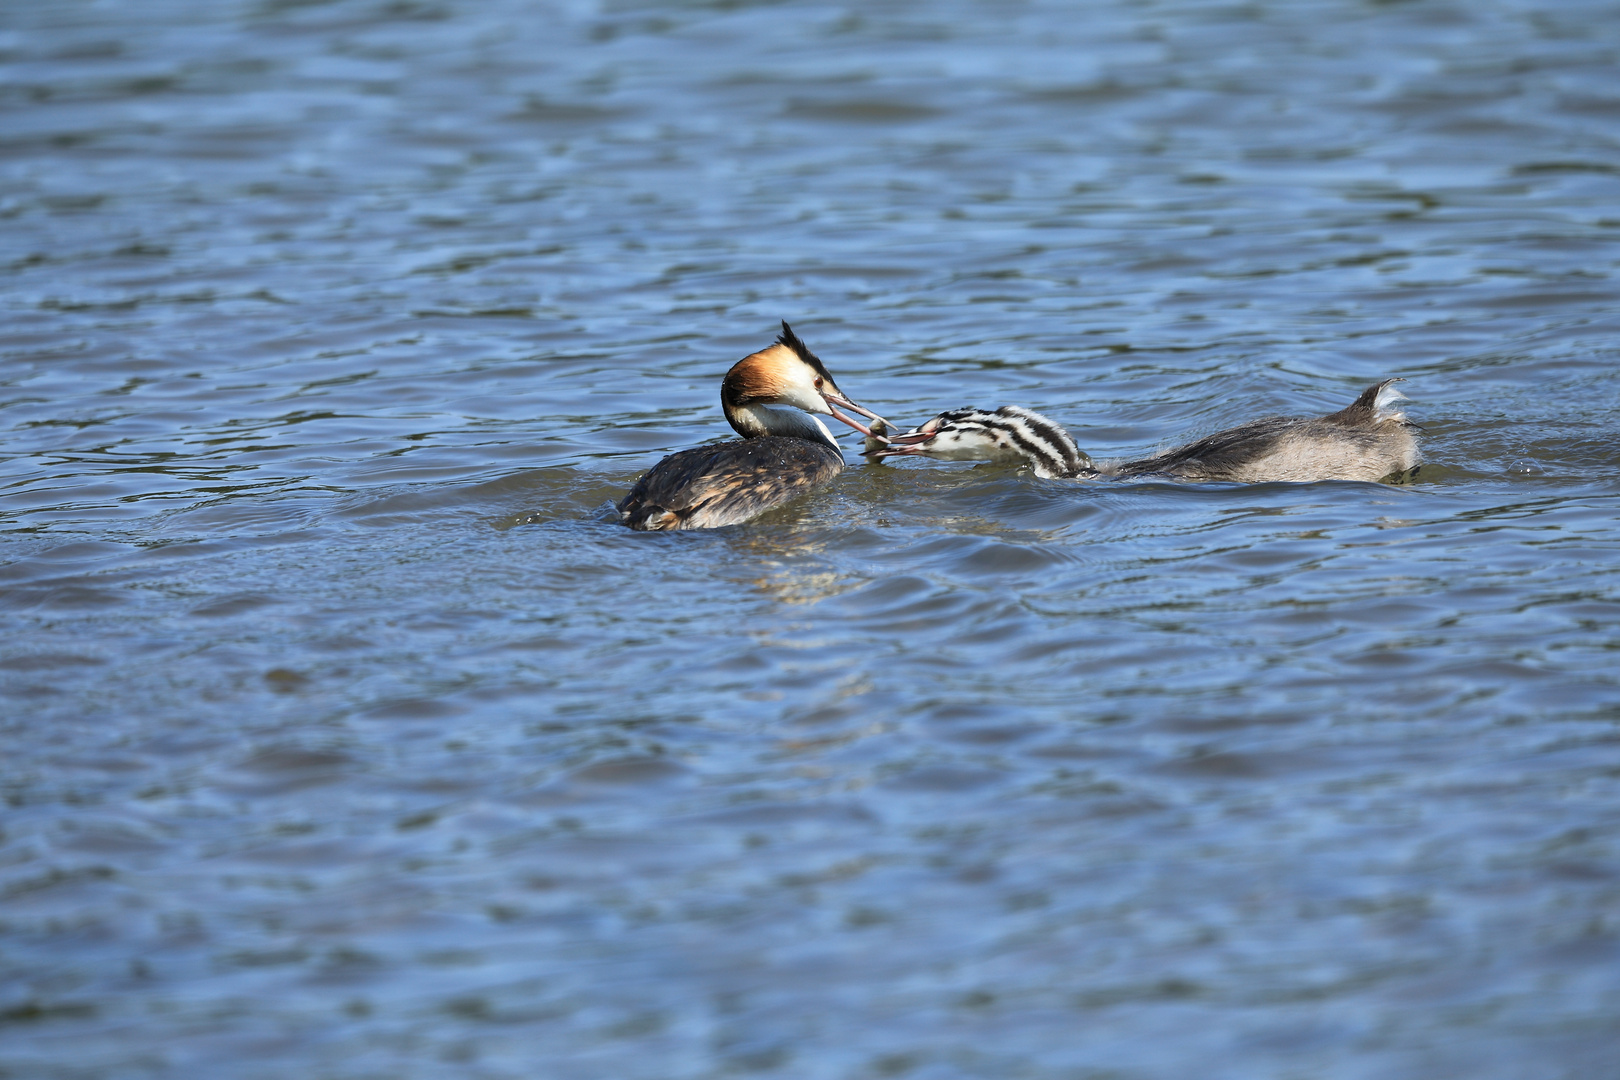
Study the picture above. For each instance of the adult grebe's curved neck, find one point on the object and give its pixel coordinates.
(754, 420)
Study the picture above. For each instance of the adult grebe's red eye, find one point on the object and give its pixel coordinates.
(818, 382)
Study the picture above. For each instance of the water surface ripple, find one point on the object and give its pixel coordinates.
(343, 732)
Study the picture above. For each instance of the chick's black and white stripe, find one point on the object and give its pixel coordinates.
(1045, 442)
(1010, 433)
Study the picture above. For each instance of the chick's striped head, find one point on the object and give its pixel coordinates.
(1010, 435)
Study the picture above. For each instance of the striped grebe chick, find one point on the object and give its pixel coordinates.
(768, 398)
(1366, 440)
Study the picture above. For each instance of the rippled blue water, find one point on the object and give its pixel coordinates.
(344, 733)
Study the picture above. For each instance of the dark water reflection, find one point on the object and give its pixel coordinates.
(344, 733)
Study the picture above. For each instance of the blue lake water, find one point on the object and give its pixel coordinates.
(345, 733)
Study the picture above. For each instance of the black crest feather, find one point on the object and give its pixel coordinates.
(802, 351)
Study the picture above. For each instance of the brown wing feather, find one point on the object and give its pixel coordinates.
(727, 483)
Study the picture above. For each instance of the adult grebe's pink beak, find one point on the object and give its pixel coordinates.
(834, 399)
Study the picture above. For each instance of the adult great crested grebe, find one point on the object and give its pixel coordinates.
(784, 452)
(1366, 440)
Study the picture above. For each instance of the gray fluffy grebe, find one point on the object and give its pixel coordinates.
(784, 452)
(1366, 440)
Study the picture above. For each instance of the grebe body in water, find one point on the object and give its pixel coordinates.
(769, 398)
(1366, 440)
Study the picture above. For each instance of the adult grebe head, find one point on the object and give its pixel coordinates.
(764, 392)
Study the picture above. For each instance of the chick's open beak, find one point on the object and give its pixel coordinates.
(909, 439)
(910, 443)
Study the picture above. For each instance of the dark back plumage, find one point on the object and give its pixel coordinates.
(727, 483)
(1365, 440)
